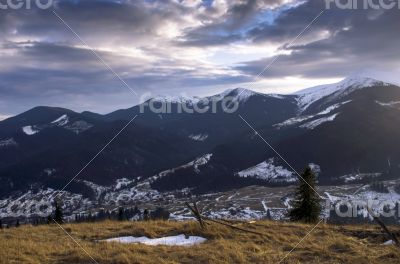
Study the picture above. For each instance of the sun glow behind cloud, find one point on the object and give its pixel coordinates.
(185, 46)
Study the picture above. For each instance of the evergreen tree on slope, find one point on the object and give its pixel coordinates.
(306, 205)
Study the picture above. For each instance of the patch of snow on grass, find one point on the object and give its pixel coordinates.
(388, 243)
(29, 130)
(179, 240)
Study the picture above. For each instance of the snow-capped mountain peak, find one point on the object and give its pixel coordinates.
(237, 94)
(310, 95)
(242, 94)
(359, 81)
(182, 99)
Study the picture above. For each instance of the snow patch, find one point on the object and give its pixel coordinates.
(198, 137)
(359, 176)
(293, 121)
(300, 119)
(195, 164)
(61, 121)
(179, 240)
(122, 183)
(315, 168)
(269, 172)
(8, 142)
(313, 124)
(29, 130)
(49, 171)
(390, 104)
(332, 107)
(389, 242)
(79, 126)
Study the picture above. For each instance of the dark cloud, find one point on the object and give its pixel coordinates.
(349, 41)
(168, 46)
(229, 25)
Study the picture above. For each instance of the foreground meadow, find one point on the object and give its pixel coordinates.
(326, 244)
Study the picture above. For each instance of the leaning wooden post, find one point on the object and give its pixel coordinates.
(196, 214)
(383, 226)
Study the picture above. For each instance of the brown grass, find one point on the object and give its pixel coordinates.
(326, 244)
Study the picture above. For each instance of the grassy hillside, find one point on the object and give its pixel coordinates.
(326, 244)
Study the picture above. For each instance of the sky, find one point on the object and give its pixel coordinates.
(90, 55)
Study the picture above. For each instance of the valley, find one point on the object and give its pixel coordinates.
(346, 132)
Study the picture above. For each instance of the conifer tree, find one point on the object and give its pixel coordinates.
(58, 214)
(306, 205)
(121, 214)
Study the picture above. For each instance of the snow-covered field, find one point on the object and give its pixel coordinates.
(253, 202)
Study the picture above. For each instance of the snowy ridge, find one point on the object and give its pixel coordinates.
(195, 164)
(304, 99)
(269, 172)
(241, 94)
(182, 99)
(308, 96)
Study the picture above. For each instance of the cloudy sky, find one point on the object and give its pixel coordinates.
(189, 47)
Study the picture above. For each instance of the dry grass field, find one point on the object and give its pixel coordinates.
(326, 244)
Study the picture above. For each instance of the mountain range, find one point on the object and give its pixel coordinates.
(347, 132)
